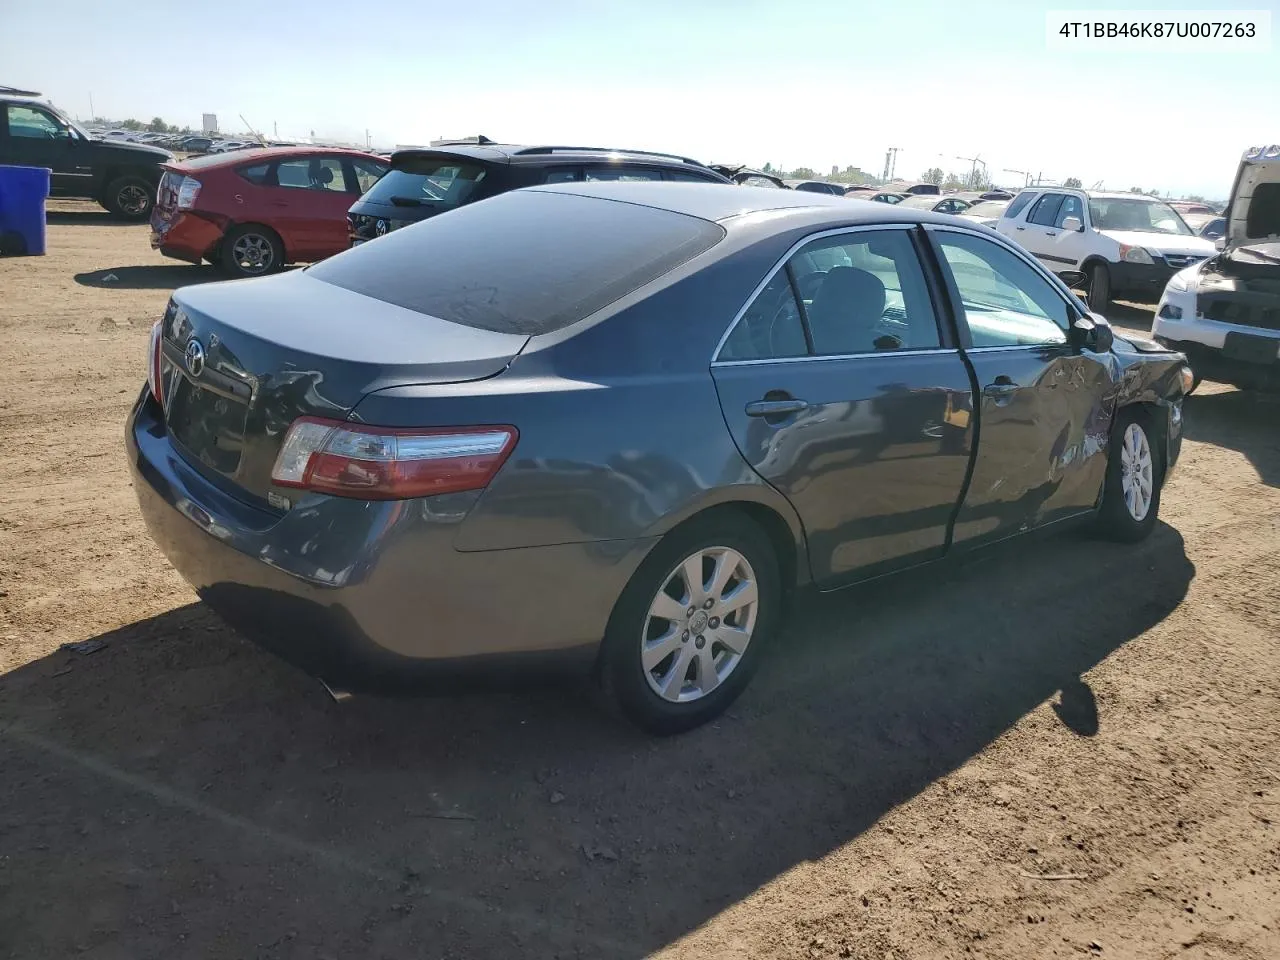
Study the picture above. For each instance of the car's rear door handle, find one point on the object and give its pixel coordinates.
(1019, 228)
(775, 408)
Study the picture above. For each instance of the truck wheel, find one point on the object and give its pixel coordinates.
(1135, 474)
(251, 250)
(130, 198)
(1098, 292)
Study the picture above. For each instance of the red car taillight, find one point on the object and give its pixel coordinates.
(153, 364)
(389, 463)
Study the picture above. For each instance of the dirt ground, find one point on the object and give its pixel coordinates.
(1068, 750)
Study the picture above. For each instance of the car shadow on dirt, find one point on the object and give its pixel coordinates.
(87, 216)
(161, 276)
(198, 792)
(1242, 420)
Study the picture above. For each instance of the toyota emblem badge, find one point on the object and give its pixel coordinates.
(194, 356)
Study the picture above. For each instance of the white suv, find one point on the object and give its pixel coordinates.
(1224, 313)
(1125, 244)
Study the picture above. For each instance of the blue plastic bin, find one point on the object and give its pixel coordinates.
(23, 191)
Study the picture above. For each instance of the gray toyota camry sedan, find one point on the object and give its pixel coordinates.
(614, 424)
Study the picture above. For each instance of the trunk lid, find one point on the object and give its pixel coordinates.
(1253, 212)
(242, 360)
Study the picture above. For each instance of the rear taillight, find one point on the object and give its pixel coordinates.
(389, 463)
(188, 190)
(153, 362)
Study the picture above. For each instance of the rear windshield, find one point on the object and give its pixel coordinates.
(526, 262)
(424, 182)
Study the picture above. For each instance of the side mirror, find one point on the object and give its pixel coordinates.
(1092, 333)
(1220, 244)
(1073, 225)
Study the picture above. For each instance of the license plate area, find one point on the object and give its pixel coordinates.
(1250, 349)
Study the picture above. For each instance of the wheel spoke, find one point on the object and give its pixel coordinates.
(708, 679)
(743, 594)
(673, 682)
(665, 608)
(733, 638)
(692, 570)
(726, 563)
(658, 650)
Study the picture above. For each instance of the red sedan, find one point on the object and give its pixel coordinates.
(253, 211)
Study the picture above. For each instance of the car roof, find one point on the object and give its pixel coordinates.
(542, 153)
(710, 201)
(1117, 195)
(265, 153)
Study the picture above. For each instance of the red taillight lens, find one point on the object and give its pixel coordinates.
(389, 463)
(153, 365)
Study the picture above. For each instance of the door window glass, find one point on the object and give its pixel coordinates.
(1005, 301)
(1045, 211)
(563, 175)
(864, 292)
(34, 124)
(770, 328)
(312, 173)
(1071, 207)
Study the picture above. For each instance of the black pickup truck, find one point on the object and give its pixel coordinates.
(121, 176)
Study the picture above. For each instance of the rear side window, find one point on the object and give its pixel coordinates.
(311, 173)
(615, 173)
(256, 174)
(441, 184)
(526, 262)
(1045, 212)
(1019, 202)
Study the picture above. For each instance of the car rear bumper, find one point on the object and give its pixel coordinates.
(183, 236)
(373, 595)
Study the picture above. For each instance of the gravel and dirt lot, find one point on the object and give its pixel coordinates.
(1068, 750)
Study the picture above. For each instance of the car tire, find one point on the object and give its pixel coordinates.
(1135, 475)
(251, 250)
(633, 671)
(130, 198)
(1098, 291)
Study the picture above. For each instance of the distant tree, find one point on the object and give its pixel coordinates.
(157, 125)
(1195, 197)
(132, 124)
(1072, 182)
(802, 173)
(933, 175)
(952, 182)
(1153, 193)
(768, 167)
(1136, 190)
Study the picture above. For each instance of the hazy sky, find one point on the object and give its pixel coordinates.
(830, 83)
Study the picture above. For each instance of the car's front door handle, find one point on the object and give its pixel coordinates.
(1019, 228)
(1050, 233)
(775, 408)
(1001, 389)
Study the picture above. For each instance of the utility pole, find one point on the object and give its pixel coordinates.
(275, 130)
(1026, 175)
(973, 169)
(93, 114)
(890, 162)
(367, 141)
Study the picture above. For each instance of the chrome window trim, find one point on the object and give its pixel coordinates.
(1004, 348)
(782, 262)
(818, 358)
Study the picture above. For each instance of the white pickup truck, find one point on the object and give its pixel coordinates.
(1125, 244)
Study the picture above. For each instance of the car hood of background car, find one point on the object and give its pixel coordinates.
(1260, 166)
(132, 151)
(304, 320)
(1162, 242)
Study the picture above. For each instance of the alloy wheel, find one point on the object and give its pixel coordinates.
(132, 200)
(253, 253)
(699, 624)
(1136, 472)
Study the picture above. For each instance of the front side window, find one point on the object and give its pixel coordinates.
(1005, 301)
(312, 173)
(1071, 207)
(859, 293)
(1045, 212)
(1144, 216)
(30, 123)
